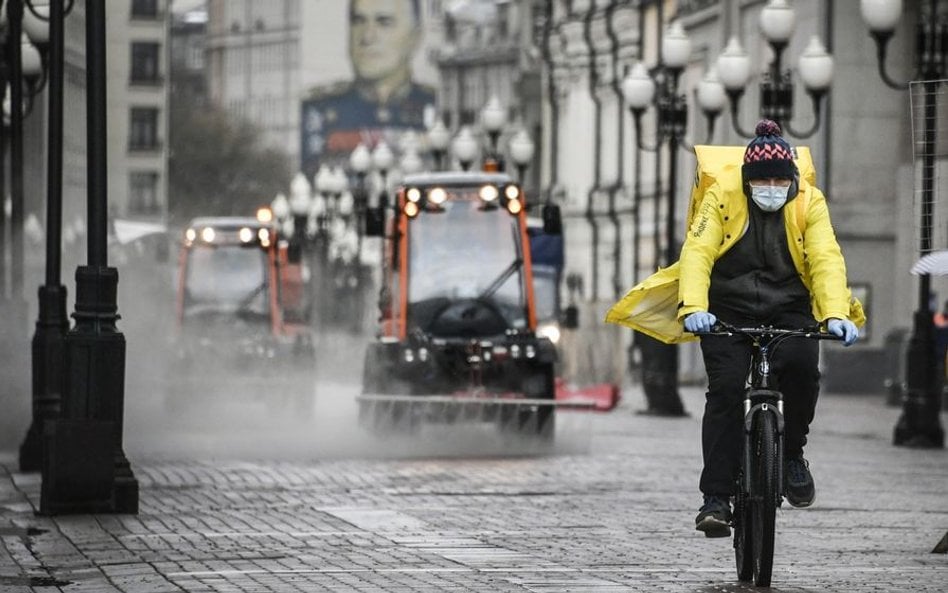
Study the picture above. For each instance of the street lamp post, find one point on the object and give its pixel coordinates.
(521, 151)
(94, 394)
(382, 161)
(322, 213)
(299, 202)
(438, 140)
(493, 118)
(815, 67)
(21, 68)
(464, 147)
(280, 207)
(323, 184)
(410, 162)
(46, 29)
(360, 161)
(919, 424)
(711, 97)
(659, 360)
(23, 64)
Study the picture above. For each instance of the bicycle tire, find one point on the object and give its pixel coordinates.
(742, 523)
(764, 500)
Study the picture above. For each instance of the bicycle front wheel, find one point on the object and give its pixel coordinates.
(764, 496)
(743, 534)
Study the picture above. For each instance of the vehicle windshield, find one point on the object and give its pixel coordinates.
(226, 279)
(466, 252)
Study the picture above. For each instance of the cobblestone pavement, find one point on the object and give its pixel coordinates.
(610, 509)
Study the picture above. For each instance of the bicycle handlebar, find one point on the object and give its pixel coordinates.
(722, 328)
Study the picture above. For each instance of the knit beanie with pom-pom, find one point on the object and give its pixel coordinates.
(768, 155)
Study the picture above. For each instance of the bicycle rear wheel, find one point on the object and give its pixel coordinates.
(764, 500)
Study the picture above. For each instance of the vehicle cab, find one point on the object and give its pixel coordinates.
(458, 311)
(241, 300)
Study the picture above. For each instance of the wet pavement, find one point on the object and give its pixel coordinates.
(234, 500)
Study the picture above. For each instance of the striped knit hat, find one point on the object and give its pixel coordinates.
(768, 155)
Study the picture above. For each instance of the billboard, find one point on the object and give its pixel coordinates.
(367, 77)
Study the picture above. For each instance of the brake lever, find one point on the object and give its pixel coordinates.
(723, 327)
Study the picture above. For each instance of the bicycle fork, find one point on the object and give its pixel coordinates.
(759, 402)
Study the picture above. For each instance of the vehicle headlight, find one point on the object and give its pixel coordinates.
(437, 196)
(550, 331)
(488, 193)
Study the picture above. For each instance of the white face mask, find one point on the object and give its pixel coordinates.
(770, 198)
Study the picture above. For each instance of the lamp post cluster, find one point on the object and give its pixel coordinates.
(919, 424)
(732, 72)
(317, 223)
(76, 433)
(466, 147)
(660, 361)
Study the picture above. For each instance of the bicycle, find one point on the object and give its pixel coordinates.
(759, 489)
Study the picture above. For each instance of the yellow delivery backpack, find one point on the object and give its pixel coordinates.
(651, 307)
(723, 164)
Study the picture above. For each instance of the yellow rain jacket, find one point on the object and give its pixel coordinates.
(657, 305)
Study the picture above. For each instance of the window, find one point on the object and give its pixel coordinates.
(144, 62)
(143, 192)
(144, 9)
(195, 57)
(143, 132)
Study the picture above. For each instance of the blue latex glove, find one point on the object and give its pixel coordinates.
(843, 328)
(700, 321)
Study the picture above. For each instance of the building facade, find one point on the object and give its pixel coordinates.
(188, 52)
(863, 148)
(253, 65)
(138, 96)
(489, 52)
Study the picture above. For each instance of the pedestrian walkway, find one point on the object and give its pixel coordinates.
(611, 511)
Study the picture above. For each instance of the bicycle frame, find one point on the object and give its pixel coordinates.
(754, 513)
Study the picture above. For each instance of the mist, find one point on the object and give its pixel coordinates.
(239, 415)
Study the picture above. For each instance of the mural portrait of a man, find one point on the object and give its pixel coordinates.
(383, 38)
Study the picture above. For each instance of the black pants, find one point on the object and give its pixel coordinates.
(794, 365)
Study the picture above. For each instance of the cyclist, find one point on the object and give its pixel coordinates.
(746, 261)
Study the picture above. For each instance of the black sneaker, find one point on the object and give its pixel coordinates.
(798, 484)
(714, 517)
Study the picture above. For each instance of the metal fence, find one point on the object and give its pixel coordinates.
(929, 117)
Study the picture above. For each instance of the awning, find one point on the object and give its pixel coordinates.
(933, 264)
(127, 231)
